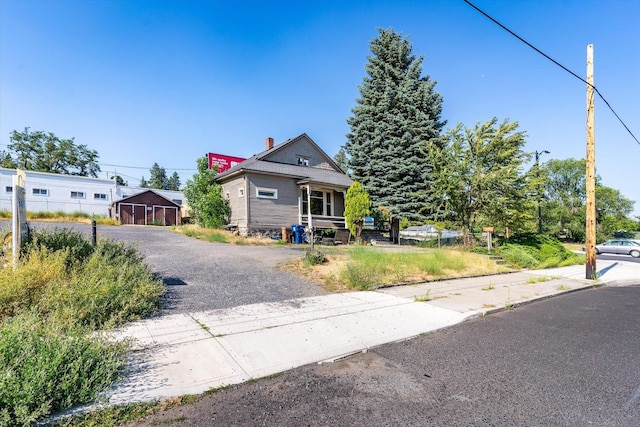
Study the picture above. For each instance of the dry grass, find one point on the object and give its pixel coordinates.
(366, 268)
(221, 236)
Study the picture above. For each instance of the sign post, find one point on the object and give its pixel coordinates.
(20, 228)
(489, 231)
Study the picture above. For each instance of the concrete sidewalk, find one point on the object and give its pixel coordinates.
(191, 353)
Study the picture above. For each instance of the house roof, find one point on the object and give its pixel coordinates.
(146, 191)
(303, 174)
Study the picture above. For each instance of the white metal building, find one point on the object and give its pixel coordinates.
(51, 192)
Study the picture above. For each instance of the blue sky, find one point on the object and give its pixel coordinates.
(168, 81)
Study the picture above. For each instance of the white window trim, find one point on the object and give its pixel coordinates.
(8, 189)
(266, 190)
(325, 193)
(78, 195)
(40, 193)
(98, 196)
(303, 161)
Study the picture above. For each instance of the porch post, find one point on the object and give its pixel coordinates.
(309, 207)
(300, 205)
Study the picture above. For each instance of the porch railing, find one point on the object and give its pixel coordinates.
(321, 221)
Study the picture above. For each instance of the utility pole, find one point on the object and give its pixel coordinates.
(538, 154)
(591, 172)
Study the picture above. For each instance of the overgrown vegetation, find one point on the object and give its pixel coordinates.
(77, 216)
(536, 251)
(63, 291)
(217, 235)
(365, 267)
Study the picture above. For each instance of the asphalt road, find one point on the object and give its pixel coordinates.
(200, 275)
(573, 360)
(609, 257)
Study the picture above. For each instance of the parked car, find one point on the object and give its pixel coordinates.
(623, 247)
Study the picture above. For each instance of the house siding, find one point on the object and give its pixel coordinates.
(272, 213)
(237, 204)
(302, 147)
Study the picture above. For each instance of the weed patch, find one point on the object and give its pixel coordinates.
(63, 290)
(424, 298)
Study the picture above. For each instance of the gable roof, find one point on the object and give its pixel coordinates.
(147, 191)
(260, 163)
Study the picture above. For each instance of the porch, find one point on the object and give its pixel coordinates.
(321, 207)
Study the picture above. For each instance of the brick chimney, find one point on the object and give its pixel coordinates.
(269, 143)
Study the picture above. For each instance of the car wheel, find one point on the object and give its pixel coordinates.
(597, 251)
(635, 254)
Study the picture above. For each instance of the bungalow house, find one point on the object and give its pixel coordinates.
(294, 182)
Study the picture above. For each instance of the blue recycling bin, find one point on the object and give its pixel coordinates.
(298, 233)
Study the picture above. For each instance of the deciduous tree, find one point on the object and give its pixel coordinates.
(45, 152)
(479, 174)
(206, 205)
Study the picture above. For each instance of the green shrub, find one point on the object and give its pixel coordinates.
(62, 290)
(77, 245)
(532, 250)
(44, 370)
(314, 257)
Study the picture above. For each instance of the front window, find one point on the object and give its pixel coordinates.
(303, 161)
(77, 195)
(321, 203)
(40, 192)
(99, 196)
(266, 193)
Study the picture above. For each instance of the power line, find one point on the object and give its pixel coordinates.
(144, 167)
(555, 62)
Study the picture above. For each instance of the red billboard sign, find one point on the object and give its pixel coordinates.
(223, 162)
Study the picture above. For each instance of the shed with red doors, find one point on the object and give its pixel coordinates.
(147, 208)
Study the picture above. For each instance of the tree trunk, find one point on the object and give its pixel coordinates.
(395, 230)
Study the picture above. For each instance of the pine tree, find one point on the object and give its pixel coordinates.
(397, 114)
(158, 177)
(173, 182)
(144, 183)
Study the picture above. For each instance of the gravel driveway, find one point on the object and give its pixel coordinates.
(200, 275)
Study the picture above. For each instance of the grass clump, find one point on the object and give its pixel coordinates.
(314, 257)
(62, 291)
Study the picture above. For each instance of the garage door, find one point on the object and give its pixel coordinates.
(165, 214)
(133, 214)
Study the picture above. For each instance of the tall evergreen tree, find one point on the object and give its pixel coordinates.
(173, 182)
(397, 114)
(158, 177)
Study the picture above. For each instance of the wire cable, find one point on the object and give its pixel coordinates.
(144, 167)
(555, 62)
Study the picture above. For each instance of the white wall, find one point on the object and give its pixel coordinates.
(69, 193)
